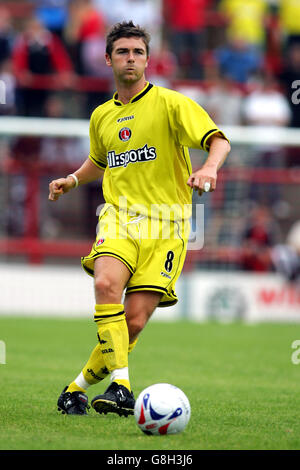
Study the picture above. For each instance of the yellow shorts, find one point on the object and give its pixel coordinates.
(153, 250)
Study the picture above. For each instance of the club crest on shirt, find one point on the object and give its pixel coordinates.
(125, 134)
(100, 241)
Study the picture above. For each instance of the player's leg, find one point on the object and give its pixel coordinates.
(139, 307)
(111, 352)
(95, 370)
(111, 276)
(110, 279)
(92, 373)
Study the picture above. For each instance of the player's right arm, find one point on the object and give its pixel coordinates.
(87, 173)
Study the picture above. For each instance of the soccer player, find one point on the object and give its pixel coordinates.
(139, 143)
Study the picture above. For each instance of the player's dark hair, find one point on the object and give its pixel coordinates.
(126, 30)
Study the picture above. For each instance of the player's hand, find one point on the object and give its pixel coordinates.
(59, 187)
(203, 180)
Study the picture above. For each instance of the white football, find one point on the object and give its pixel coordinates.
(162, 409)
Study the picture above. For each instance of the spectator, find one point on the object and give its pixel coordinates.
(257, 239)
(289, 14)
(286, 257)
(86, 37)
(23, 160)
(238, 60)
(87, 32)
(64, 152)
(7, 77)
(92, 57)
(145, 13)
(6, 35)
(53, 14)
(38, 52)
(289, 79)
(273, 55)
(85, 23)
(245, 20)
(223, 97)
(186, 22)
(61, 154)
(195, 92)
(267, 106)
(162, 66)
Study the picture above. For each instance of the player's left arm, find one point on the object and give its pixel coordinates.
(219, 148)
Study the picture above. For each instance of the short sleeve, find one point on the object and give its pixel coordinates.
(97, 154)
(192, 125)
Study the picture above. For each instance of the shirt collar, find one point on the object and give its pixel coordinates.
(135, 98)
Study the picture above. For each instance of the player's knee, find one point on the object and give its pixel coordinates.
(107, 290)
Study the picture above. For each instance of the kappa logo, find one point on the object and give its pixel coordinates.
(125, 134)
(165, 275)
(126, 118)
(101, 341)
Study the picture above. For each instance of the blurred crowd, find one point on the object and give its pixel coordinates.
(217, 51)
(239, 59)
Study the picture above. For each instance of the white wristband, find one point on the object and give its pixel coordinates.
(75, 179)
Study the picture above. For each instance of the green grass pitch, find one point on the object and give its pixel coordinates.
(243, 388)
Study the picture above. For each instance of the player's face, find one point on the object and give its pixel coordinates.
(128, 59)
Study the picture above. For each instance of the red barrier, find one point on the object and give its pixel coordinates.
(36, 249)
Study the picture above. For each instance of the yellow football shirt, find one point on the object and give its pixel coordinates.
(246, 19)
(143, 148)
(289, 14)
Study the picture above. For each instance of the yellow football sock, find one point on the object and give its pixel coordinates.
(132, 345)
(113, 338)
(95, 370)
(123, 382)
(73, 387)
